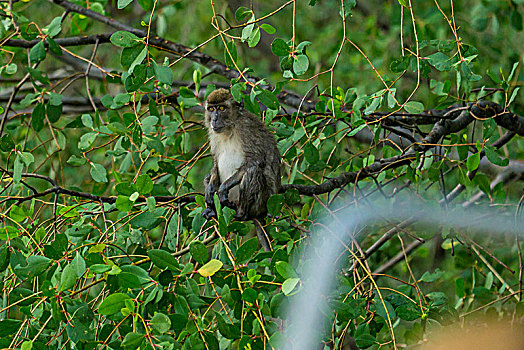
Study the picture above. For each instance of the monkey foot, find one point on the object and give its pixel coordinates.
(209, 213)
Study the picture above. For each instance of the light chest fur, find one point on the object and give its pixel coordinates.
(229, 155)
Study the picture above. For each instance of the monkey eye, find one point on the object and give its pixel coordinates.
(221, 108)
(211, 109)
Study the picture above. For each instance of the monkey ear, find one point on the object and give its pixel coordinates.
(239, 105)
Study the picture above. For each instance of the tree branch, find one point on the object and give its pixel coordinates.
(286, 97)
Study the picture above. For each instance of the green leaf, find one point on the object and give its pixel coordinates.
(473, 161)
(246, 251)
(151, 203)
(37, 117)
(53, 47)
(228, 330)
(440, 88)
(68, 212)
(11, 69)
(137, 79)
(123, 3)
(163, 259)
(128, 280)
(9, 232)
(98, 172)
(199, 252)
(163, 73)
(302, 46)
(249, 295)
(36, 265)
(400, 64)
(210, 268)
(280, 47)
(381, 310)
(468, 73)
(311, 153)
(268, 28)
(236, 91)
(55, 27)
(9, 327)
(494, 77)
(113, 303)
(26, 158)
(123, 203)
(18, 214)
(86, 141)
(79, 265)
(87, 120)
(289, 285)
(364, 341)
(5, 254)
(414, 107)
(391, 98)
(68, 278)
(6, 143)
(375, 103)
(274, 204)
(403, 3)
(431, 277)
(241, 13)
(120, 100)
(53, 112)
(513, 95)
(133, 340)
(147, 5)
(124, 39)
(17, 170)
(269, 99)
(248, 30)
(39, 76)
(197, 78)
(440, 61)
(230, 54)
(513, 69)
(494, 157)
(144, 184)
(160, 322)
(254, 38)
(99, 268)
(27, 345)
(37, 52)
(128, 56)
(285, 270)
(300, 64)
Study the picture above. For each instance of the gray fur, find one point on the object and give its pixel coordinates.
(235, 132)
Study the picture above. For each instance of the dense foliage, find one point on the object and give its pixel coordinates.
(103, 153)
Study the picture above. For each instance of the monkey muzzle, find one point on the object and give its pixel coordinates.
(217, 123)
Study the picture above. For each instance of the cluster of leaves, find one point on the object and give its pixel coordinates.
(102, 242)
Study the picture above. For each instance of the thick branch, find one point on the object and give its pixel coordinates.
(71, 41)
(62, 190)
(442, 128)
(286, 97)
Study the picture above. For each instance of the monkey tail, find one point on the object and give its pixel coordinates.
(263, 238)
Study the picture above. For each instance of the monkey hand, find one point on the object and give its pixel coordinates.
(209, 192)
(241, 215)
(223, 196)
(209, 213)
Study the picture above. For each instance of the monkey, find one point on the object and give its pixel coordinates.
(246, 161)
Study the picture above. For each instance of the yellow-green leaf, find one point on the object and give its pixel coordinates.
(210, 268)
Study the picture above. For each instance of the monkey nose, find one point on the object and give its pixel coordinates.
(217, 126)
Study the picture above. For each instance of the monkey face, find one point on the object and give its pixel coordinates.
(219, 117)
